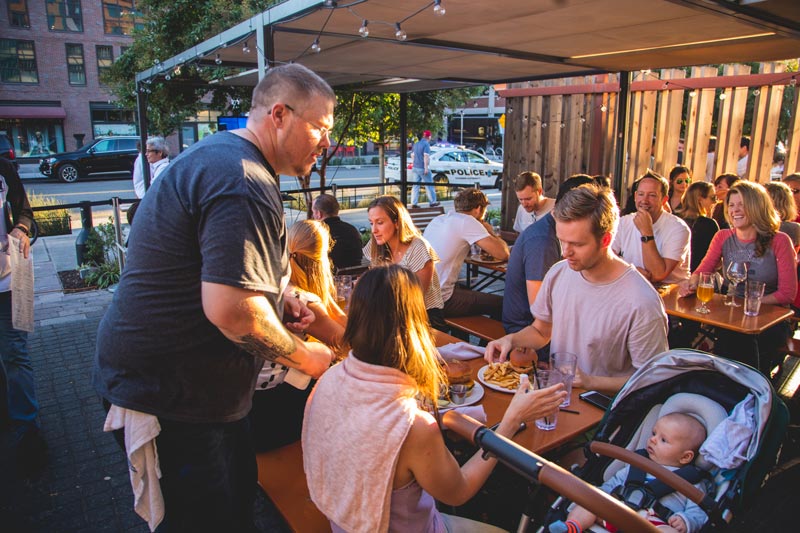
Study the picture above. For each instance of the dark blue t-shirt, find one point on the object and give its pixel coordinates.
(534, 252)
(214, 215)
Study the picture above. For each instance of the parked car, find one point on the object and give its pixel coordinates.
(109, 154)
(454, 165)
(7, 150)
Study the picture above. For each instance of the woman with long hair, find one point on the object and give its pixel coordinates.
(308, 244)
(680, 177)
(754, 238)
(783, 201)
(374, 457)
(722, 185)
(697, 205)
(396, 241)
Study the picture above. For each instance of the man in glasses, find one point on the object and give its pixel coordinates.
(653, 240)
(202, 303)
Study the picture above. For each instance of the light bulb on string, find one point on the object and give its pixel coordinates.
(722, 96)
(604, 108)
(438, 8)
(544, 124)
(400, 33)
(245, 48)
(167, 77)
(583, 120)
(177, 71)
(218, 60)
(692, 94)
(563, 125)
(363, 30)
(315, 46)
(665, 86)
(793, 81)
(756, 92)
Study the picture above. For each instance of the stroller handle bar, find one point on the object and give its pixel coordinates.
(539, 470)
(652, 468)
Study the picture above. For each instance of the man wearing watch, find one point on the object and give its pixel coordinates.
(653, 240)
(17, 392)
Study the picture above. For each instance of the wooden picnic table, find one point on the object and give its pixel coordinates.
(485, 272)
(280, 472)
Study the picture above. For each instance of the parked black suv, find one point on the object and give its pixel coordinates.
(7, 150)
(109, 154)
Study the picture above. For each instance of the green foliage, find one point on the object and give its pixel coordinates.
(101, 245)
(365, 237)
(104, 275)
(492, 214)
(52, 221)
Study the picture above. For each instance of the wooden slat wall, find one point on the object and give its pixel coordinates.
(552, 131)
(640, 135)
(699, 117)
(766, 114)
(730, 123)
(792, 163)
(668, 122)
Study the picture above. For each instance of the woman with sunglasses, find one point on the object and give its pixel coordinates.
(373, 455)
(680, 177)
(698, 202)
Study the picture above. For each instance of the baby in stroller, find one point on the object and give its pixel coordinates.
(674, 443)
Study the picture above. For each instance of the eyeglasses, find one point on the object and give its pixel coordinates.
(679, 181)
(322, 131)
(151, 150)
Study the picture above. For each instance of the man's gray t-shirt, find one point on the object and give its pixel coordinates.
(613, 327)
(215, 215)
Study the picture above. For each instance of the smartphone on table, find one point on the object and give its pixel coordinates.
(595, 398)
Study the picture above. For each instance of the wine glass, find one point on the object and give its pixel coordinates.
(705, 290)
(737, 273)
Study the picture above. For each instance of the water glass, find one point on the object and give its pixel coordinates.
(565, 363)
(753, 293)
(474, 250)
(544, 379)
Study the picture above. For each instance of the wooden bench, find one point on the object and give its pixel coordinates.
(422, 216)
(281, 475)
(480, 326)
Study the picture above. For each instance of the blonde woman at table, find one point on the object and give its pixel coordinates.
(783, 202)
(308, 244)
(395, 240)
(698, 202)
(374, 458)
(753, 237)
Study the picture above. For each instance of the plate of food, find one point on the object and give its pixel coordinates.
(459, 373)
(503, 377)
(473, 396)
(483, 258)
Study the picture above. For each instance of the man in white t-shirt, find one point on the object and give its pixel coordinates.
(651, 239)
(451, 236)
(533, 204)
(593, 303)
(744, 157)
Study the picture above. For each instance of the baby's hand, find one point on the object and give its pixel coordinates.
(677, 522)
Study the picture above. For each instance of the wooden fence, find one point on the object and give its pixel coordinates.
(562, 127)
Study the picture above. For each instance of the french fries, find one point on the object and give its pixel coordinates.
(504, 374)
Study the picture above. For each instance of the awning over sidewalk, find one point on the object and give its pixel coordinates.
(26, 112)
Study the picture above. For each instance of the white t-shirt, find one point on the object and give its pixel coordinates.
(525, 219)
(672, 241)
(613, 328)
(451, 236)
(741, 166)
(138, 176)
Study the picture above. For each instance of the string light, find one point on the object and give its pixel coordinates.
(363, 30)
(245, 48)
(218, 60)
(756, 92)
(177, 71)
(438, 8)
(544, 124)
(167, 77)
(722, 96)
(315, 46)
(400, 33)
(604, 108)
(692, 94)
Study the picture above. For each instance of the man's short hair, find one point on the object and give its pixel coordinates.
(654, 176)
(159, 144)
(528, 179)
(589, 202)
(327, 204)
(712, 144)
(745, 142)
(469, 199)
(574, 182)
(793, 177)
(289, 81)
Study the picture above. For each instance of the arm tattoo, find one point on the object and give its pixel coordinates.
(274, 342)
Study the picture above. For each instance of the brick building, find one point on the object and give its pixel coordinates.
(51, 55)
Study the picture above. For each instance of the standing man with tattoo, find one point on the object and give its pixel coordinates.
(200, 304)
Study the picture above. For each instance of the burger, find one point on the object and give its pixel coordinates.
(459, 372)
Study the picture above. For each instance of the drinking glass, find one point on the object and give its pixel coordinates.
(344, 287)
(705, 290)
(737, 273)
(566, 363)
(753, 293)
(544, 379)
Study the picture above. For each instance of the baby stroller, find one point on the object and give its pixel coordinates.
(709, 388)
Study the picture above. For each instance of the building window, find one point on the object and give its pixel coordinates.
(105, 57)
(64, 15)
(18, 14)
(108, 119)
(75, 65)
(18, 61)
(120, 17)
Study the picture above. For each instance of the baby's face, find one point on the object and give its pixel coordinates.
(668, 444)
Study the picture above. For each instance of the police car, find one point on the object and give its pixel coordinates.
(454, 165)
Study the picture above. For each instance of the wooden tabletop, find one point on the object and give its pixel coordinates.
(721, 315)
(499, 266)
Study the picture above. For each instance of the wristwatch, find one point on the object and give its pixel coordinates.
(647, 238)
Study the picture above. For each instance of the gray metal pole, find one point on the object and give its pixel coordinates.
(141, 111)
(623, 126)
(403, 148)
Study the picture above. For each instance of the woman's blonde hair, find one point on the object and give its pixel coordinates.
(782, 200)
(308, 244)
(759, 211)
(388, 325)
(692, 209)
(406, 230)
